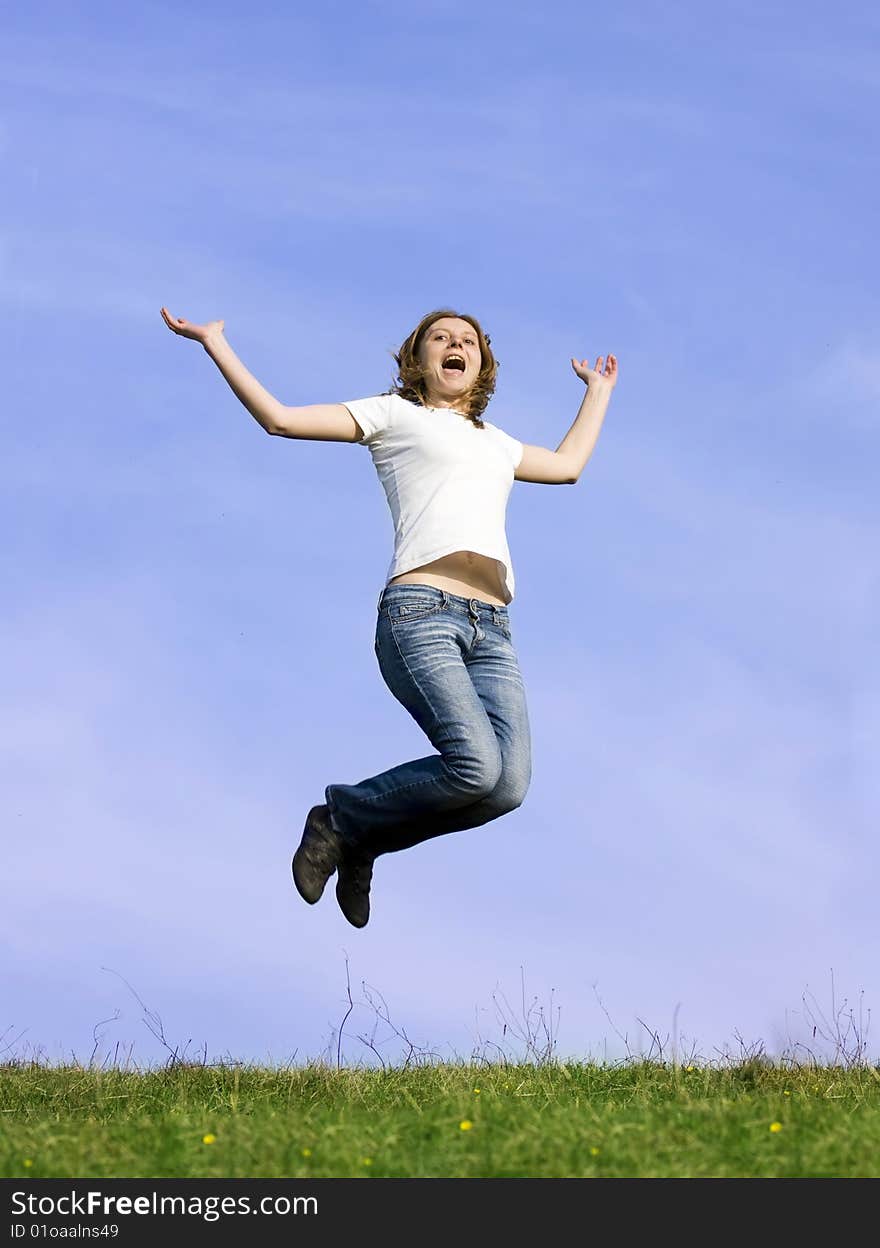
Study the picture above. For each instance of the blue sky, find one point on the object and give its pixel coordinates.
(190, 604)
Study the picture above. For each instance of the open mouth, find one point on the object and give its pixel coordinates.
(454, 364)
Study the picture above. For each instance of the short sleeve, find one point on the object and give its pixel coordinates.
(373, 414)
(512, 446)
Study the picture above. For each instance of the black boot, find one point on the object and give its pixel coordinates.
(318, 855)
(353, 885)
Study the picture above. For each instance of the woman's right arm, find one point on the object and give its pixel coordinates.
(326, 422)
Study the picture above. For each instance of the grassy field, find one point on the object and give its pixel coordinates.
(553, 1120)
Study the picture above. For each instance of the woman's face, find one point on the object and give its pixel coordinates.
(450, 353)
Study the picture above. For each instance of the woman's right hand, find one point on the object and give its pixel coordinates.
(199, 333)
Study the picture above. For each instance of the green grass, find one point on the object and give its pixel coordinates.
(554, 1119)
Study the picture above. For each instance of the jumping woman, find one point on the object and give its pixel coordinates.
(443, 637)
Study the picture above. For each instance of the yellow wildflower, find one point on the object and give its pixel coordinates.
(466, 1124)
(594, 1152)
(367, 1161)
(209, 1138)
(306, 1152)
(477, 1091)
(775, 1126)
(28, 1161)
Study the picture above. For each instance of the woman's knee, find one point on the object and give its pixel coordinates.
(478, 773)
(510, 791)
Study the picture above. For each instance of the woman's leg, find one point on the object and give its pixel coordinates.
(496, 677)
(450, 661)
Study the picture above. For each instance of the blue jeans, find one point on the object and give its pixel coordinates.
(451, 662)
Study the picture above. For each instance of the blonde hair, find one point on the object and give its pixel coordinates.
(410, 382)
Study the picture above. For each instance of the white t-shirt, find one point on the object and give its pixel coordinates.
(447, 482)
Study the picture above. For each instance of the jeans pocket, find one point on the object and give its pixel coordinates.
(411, 616)
(414, 607)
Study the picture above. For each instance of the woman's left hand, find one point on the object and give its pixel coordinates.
(604, 375)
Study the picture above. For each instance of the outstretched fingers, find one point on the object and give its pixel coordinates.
(170, 321)
(605, 365)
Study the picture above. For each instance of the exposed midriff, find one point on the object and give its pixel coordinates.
(463, 572)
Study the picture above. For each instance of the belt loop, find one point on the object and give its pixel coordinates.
(379, 600)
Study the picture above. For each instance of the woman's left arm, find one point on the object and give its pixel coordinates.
(564, 465)
(578, 444)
